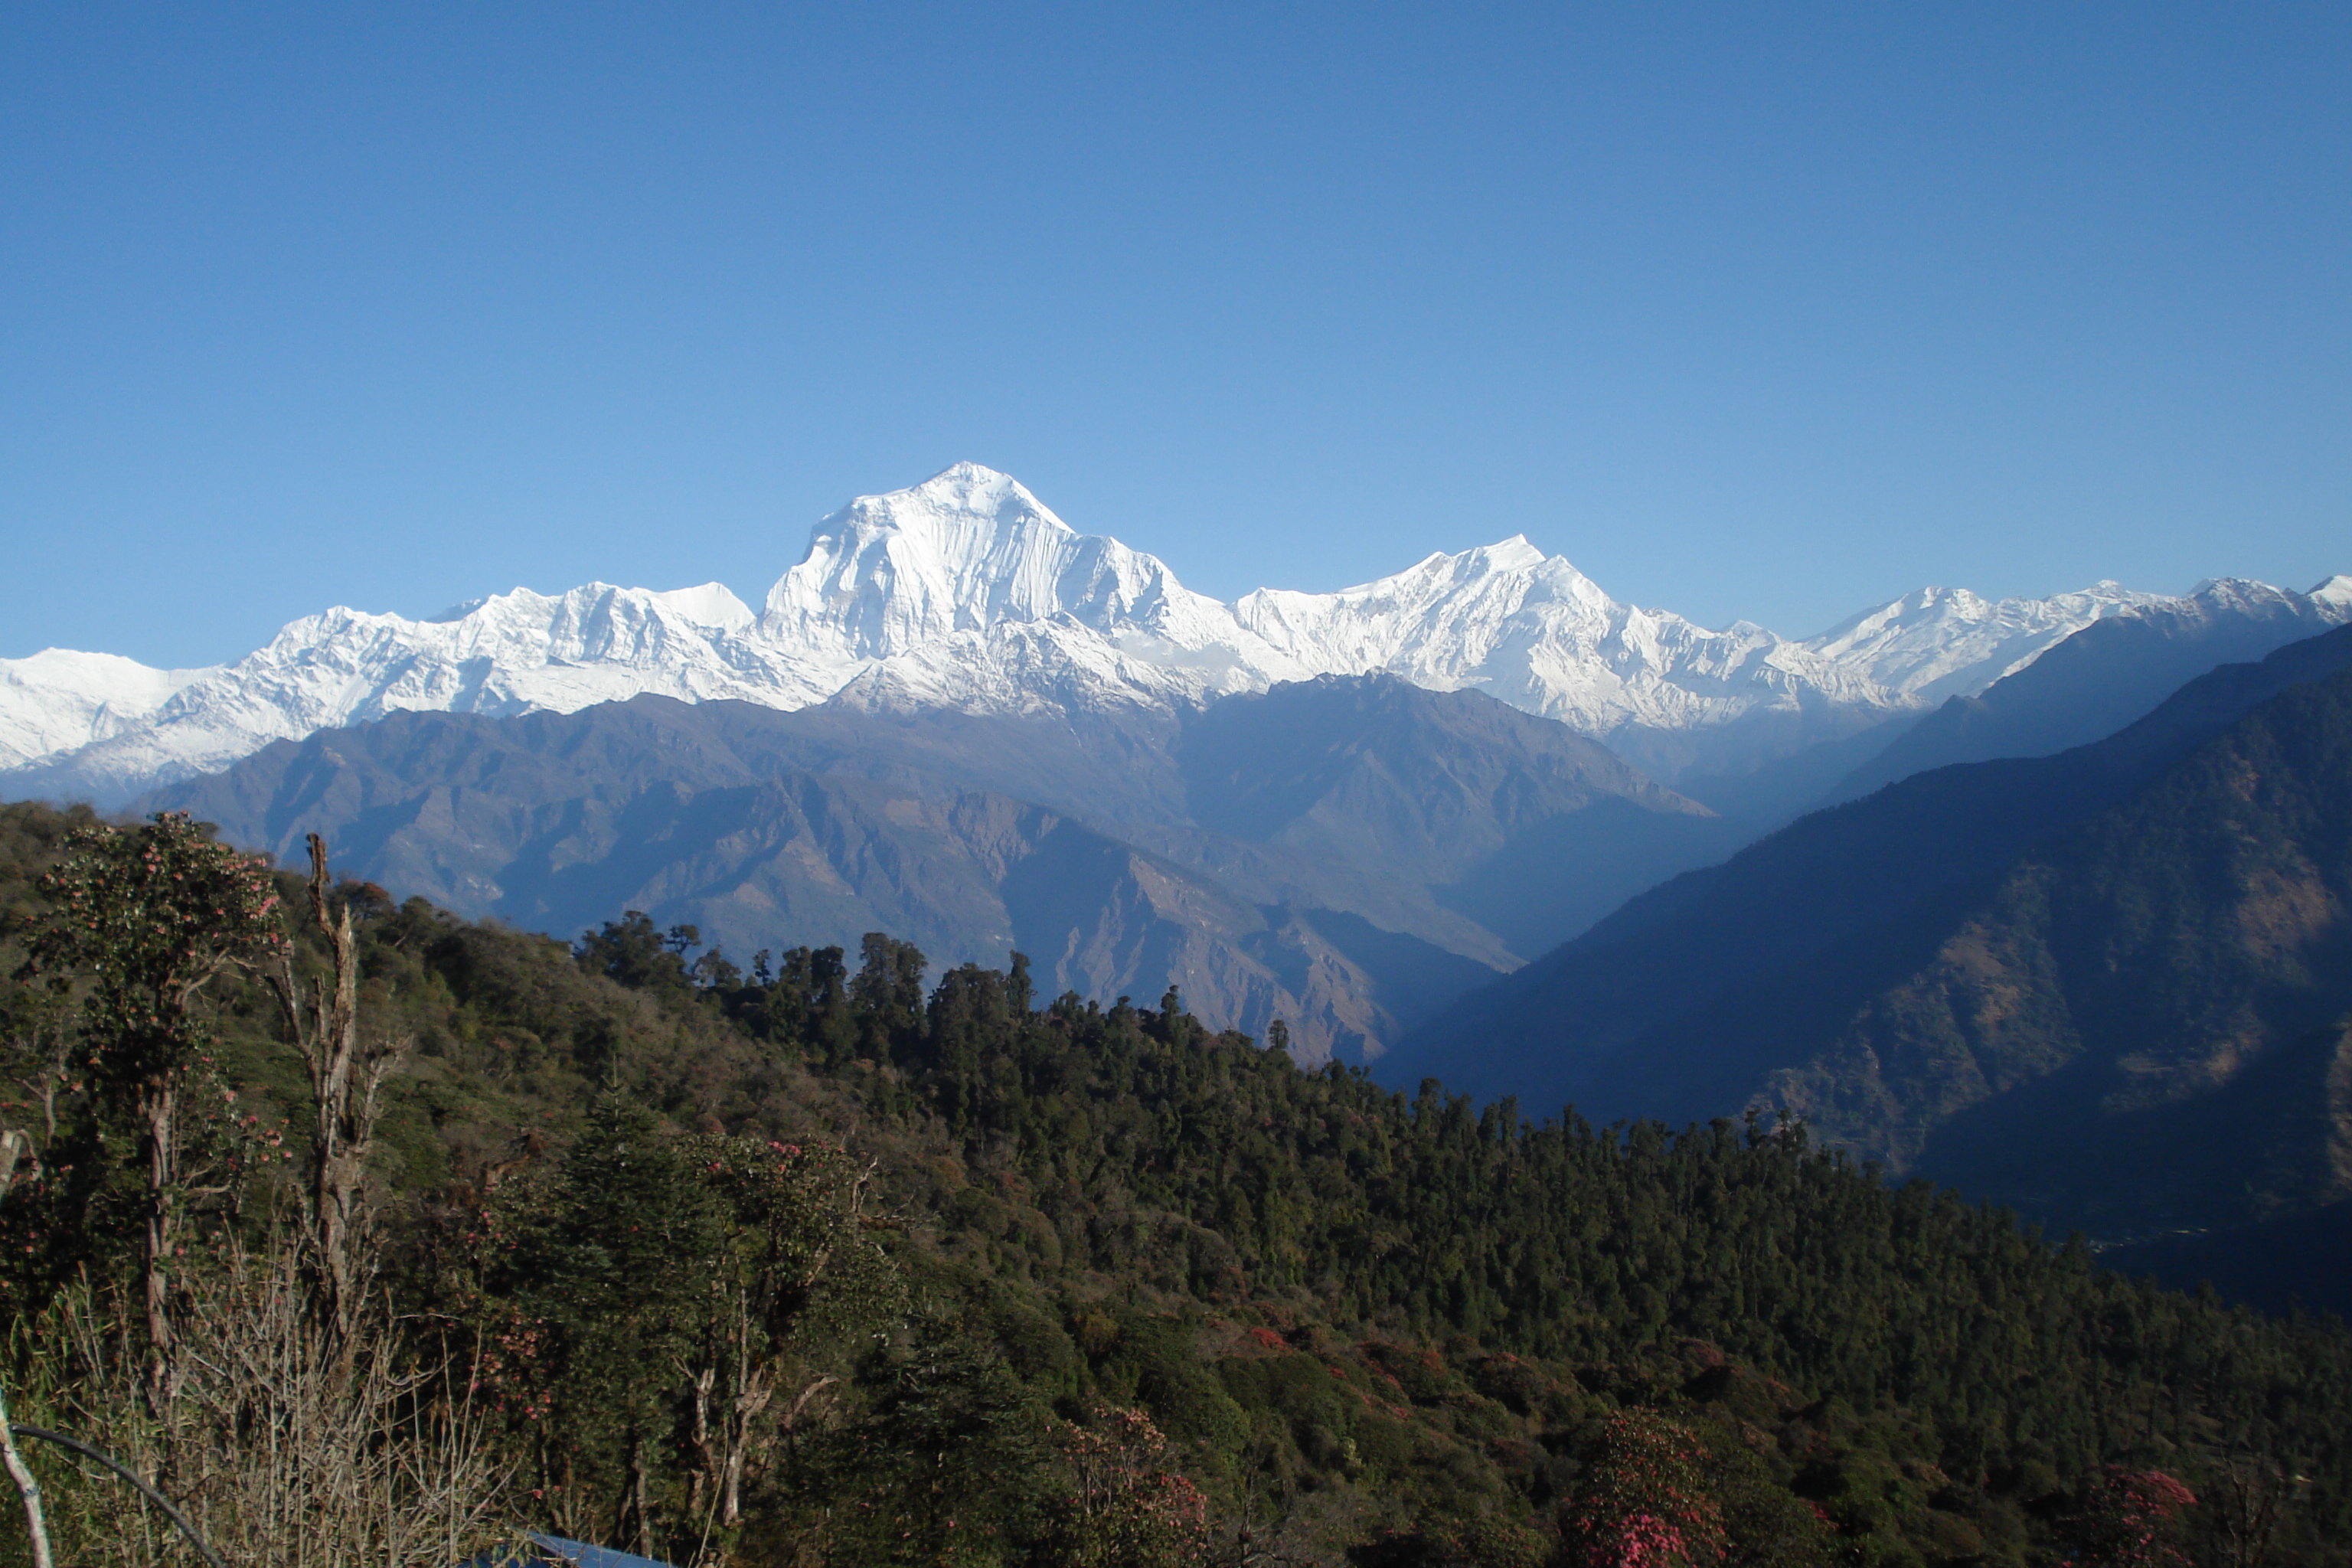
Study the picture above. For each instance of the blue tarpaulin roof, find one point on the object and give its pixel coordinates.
(554, 1550)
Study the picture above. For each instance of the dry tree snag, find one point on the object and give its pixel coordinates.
(14, 1149)
(27, 1487)
(346, 1082)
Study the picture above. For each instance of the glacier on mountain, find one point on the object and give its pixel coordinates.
(967, 592)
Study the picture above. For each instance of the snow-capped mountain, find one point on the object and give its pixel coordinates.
(1537, 633)
(511, 653)
(966, 551)
(59, 700)
(967, 592)
(1947, 642)
(2105, 678)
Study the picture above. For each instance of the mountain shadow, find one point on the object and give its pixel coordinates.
(2300, 1261)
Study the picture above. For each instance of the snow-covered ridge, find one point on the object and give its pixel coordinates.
(966, 591)
(58, 700)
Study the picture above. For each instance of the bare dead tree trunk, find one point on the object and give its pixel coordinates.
(36, 1529)
(733, 1507)
(158, 1108)
(346, 1082)
(705, 1458)
(755, 1387)
(344, 1125)
(640, 1499)
(2247, 1498)
(19, 1160)
(49, 1093)
(43, 1086)
(14, 1148)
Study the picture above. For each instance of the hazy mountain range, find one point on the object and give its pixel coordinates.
(1345, 854)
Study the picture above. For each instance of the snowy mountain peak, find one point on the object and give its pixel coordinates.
(965, 550)
(2241, 593)
(1298, 622)
(966, 592)
(707, 604)
(1512, 555)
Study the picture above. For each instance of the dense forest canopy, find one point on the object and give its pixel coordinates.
(803, 1259)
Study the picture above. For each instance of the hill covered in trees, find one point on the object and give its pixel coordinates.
(800, 1260)
(2107, 986)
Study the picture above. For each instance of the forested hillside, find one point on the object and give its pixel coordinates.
(2107, 986)
(801, 1261)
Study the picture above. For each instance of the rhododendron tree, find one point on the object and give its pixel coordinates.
(2131, 1519)
(793, 1275)
(141, 921)
(1129, 1505)
(659, 1312)
(1640, 1501)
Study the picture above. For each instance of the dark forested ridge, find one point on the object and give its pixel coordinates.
(1041, 1280)
(2110, 986)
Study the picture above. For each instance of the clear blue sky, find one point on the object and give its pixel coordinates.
(1767, 311)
